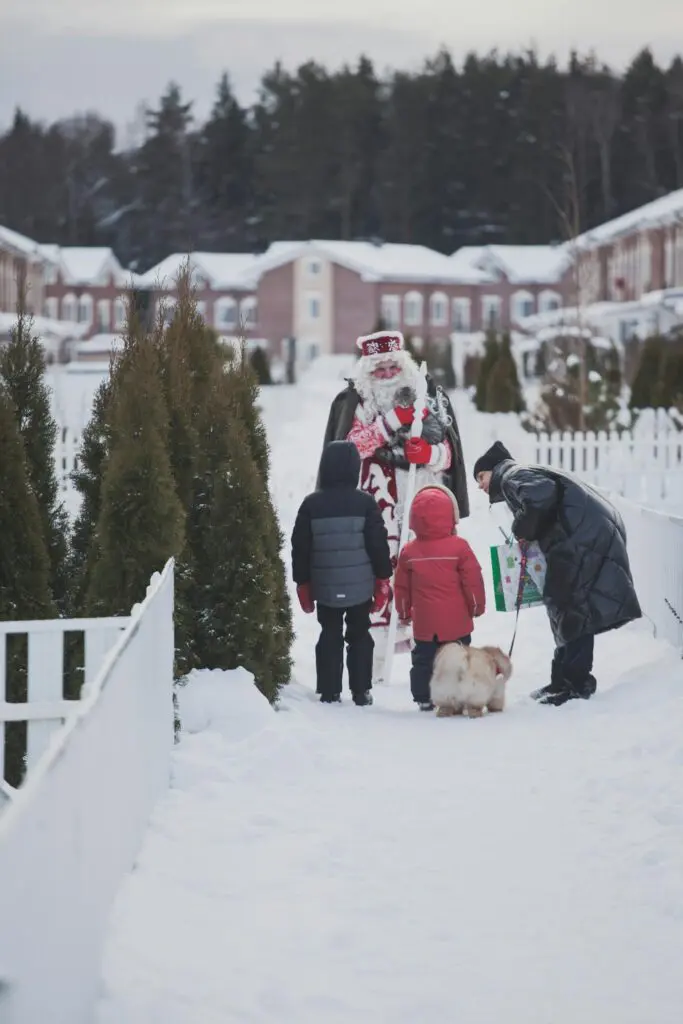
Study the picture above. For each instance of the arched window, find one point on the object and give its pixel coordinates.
(522, 304)
(438, 310)
(225, 314)
(412, 309)
(69, 307)
(85, 309)
(119, 313)
(249, 312)
(549, 300)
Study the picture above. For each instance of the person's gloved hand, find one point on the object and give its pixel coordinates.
(307, 603)
(418, 451)
(381, 595)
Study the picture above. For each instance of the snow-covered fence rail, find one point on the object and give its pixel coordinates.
(655, 548)
(71, 832)
(645, 466)
(46, 708)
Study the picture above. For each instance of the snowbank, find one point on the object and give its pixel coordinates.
(228, 703)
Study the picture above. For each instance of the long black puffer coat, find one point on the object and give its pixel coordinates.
(589, 588)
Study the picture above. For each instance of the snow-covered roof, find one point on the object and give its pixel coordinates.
(521, 264)
(223, 270)
(88, 265)
(660, 212)
(45, 327)
(14, 242)
(99, 344)
(374, 262)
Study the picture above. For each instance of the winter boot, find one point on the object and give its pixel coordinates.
(425, 705)
(330, 698)
(363, 700)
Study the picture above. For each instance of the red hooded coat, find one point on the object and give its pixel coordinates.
(439, 583)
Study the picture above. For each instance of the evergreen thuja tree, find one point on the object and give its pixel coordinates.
(489, 360)
(503, 390)
(141, 521)
(646, 383)
(24, 574)
(234, 578)
(245, 392)
(22, 372)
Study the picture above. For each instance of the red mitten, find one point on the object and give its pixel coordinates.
(418, 450)
(402, 416)
(381, 596)
(305, 600)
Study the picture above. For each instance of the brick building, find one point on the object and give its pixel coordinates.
(87, 286)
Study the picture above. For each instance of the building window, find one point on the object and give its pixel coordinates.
(438, 310)
(69, 308)
(461, 315)
(103, 315)
(52, 309)
(490, 312)
(249, 312)
(225, 314)
(314, 267)
(119, 313)
(522, 305)
(548, 301)
(85, 305)
(313, 307)
(412, 309)
(390, 311)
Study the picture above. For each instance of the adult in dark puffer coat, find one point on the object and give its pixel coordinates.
(341, 562)
(588, 588)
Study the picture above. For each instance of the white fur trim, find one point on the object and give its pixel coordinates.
(437, 459)
(392, 420)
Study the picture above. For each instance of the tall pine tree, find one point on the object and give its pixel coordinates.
(141, 521)
(24, 573)
(22, 372)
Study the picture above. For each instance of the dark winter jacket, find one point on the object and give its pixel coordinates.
(339, 543)
(588, 587)
(439, 584)
(340, 421)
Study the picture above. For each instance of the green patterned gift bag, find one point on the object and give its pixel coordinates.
(506, 563)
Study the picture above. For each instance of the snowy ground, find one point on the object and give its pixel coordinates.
(343, 865)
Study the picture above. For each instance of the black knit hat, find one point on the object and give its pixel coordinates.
(496, 454)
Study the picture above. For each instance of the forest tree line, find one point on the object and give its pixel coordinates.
(488, 151)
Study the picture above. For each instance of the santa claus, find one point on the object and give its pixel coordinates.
(376, 412)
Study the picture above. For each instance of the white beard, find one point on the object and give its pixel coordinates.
(377, 395)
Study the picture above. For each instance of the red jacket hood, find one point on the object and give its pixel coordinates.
(434, 513)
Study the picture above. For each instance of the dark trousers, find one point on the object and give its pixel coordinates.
(329, 651)
(422, 656)
(572, 665)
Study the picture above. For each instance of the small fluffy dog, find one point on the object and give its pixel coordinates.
(469, 679)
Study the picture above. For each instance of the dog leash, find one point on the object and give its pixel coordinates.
(520, 591)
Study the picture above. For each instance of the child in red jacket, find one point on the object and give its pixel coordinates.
(439, 585)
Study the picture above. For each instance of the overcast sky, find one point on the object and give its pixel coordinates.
(62, 56)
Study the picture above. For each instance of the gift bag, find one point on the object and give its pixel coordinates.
(506, 562)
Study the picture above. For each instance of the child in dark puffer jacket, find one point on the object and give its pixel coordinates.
(439, 585)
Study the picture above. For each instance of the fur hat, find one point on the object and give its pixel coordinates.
(496, 454)
(381, 343)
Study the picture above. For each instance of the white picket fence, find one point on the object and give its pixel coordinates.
(46, 710)
(643, 466)
(71, 832)
(655, 549)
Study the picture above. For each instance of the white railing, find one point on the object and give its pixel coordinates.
(46, 709)
(641, 466)
(72, 831)
(655, 549)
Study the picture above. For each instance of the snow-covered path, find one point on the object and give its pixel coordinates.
(322, 865)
